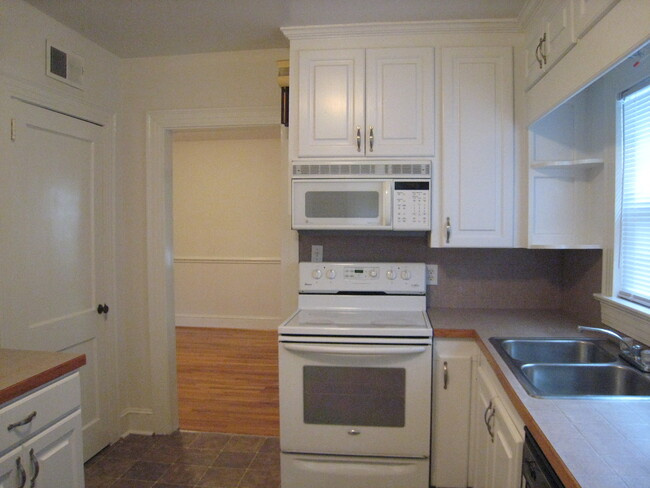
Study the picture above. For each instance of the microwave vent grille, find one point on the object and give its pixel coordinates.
(363, 169)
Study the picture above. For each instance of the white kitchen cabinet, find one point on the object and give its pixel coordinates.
(550, 37)
(366, 102)
(498, 434)
(453, 367)
(566, 175)
(477, 173)
(43, 447)
(588, 12)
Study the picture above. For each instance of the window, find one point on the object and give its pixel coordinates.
(634, 250)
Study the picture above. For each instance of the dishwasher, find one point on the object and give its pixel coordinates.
(536, 471)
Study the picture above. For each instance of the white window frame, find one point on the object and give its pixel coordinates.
(624, 315)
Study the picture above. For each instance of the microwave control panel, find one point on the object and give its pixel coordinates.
(412, 205)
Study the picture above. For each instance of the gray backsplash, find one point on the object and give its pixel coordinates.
(481, 278)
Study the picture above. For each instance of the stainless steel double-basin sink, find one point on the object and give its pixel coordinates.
(571, 368)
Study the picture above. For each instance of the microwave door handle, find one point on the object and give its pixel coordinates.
(356, 350)
(388, 204)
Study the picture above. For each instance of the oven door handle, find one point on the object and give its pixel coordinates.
(355, 350)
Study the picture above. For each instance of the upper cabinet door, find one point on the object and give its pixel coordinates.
(477, 182)
(365, 103)
(331, 103)
(399, 102)
(588, 12)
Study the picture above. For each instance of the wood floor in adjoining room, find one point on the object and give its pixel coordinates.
(228, 380)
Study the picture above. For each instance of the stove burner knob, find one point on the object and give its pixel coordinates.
(317, 274)
(391, 275)
(331, 274)
(405, 275)
(373, 273)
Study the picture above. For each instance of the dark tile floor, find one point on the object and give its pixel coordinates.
(187, 459)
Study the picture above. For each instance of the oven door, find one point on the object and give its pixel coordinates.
(342, 204)
(356, 399)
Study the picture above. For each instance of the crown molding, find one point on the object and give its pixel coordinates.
(529, 12)
(401, 28)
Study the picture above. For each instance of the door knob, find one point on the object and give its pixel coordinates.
(102, 308)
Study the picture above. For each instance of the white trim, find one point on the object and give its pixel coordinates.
(161, 319)
(383, 29)
(221, 260)
(626, 317)
(228, 321)
(139, 421)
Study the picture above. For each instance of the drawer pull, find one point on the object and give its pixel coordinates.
(35, 468)
(24, 421)
(21, 473)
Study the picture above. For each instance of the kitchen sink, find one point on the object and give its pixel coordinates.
(571, 380)
(571, 368)
(555, 350)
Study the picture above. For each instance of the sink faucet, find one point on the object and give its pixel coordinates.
(630, 351)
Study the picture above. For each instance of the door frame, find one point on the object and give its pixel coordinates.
(160, 256)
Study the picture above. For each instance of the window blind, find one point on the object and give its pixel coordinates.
(634, 251)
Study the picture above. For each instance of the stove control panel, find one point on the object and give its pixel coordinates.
(391, 278)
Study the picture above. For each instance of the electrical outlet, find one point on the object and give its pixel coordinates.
(316, 254)
(432, 274)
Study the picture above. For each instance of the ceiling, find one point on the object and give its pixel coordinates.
(139, 28)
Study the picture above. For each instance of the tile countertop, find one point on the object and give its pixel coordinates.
(23, 371)
(590, 443)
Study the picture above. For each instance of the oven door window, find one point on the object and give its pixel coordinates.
(354, 396)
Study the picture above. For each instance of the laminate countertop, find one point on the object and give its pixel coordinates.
(590, 443)
(22, 371)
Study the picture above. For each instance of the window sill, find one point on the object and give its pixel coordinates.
(626, 317)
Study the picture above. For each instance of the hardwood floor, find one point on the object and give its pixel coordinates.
(228, 380)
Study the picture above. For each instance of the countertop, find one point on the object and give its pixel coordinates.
(22, 371)
(590, 443)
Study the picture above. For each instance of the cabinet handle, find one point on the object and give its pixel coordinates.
(21, 473)
(485, 414)
(537, 51)
(35, 468)
(24, 421)
(358, 139)
(488, 421)
(371, 138)
(445, 375)
(542, 47)
(448, 228)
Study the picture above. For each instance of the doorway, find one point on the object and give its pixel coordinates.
(227, 229)
(161, 316)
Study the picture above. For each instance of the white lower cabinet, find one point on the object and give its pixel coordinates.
(498, 434)
(451, 419)
(45, 450)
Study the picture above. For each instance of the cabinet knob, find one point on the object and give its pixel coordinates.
(102, 308)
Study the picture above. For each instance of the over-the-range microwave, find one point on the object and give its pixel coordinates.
(369, 195)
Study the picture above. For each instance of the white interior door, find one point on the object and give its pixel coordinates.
(54, 251)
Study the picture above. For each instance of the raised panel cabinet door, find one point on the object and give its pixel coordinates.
(55, 457)
(588, 12)
(560, 33)
(331, 103)
(56, 260)
(507, 450)
(13, 469)
(478, 148)
(482, 440)
(451, 418)
(400, 102)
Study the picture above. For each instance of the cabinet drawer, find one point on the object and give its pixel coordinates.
(50, 403)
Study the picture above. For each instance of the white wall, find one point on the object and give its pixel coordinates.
(24, 31)
(201, 81)
(227, 225)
